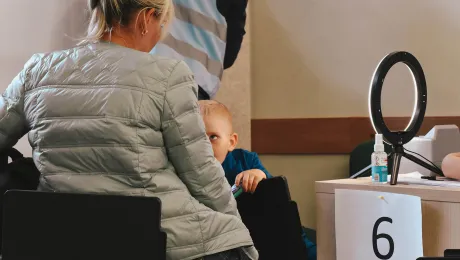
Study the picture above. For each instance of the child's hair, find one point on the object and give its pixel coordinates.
(212, 107)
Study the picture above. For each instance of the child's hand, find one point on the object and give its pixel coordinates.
(250, 179)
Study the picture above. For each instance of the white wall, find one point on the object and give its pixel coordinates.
(31, 26)
(315, 58)
(235, 91)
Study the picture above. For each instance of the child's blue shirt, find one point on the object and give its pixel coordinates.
(240, 160)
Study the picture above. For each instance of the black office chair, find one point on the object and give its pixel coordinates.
(273, 221)
(438, 258)
(449, 254)
(20, 174)
(56, 226)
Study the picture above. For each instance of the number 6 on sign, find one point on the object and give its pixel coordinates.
(377, 225)
(376, 236)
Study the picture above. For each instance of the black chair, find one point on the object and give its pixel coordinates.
(20, 174)
(56, 226)
(449, 254)
(439, 258)
(452, 253)
(273, 221)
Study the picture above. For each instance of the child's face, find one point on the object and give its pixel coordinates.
(220, 133)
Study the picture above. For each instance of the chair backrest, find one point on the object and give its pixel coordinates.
(452, 252)
(449, 254)
(12, 154)
(20, 174)
(273, 221)
(56, 226)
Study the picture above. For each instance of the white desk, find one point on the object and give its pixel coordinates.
(440, 214)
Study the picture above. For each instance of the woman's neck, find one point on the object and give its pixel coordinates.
(120, 38)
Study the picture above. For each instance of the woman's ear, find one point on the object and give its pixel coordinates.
(233, 142)
(148, 17)
(147, 21)
(150, 14)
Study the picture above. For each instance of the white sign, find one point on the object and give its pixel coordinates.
(377, 225)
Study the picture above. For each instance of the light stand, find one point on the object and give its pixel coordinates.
(399, 138)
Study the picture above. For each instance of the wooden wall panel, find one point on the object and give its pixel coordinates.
(324, 135)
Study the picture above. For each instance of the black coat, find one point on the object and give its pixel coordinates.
(234, 12)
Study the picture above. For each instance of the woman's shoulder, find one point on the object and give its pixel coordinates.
(175, 72)
(42, 58)
(95, 59)
(147, 64)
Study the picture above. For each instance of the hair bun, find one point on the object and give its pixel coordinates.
(93, 3)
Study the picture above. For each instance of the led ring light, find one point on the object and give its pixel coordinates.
(399, 138)
(375, 95)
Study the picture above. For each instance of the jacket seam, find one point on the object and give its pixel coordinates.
(94, 145)
(180, 116)
(75, 174)
(166, 91)
(91, 87)
(89, 117)
(138, 139)
(188, 156)
(149, 62)
(27, 74)
(129, 174)
(199, 223)
(198, 167)
(199, 138)
(209, 240)
(180, 85)
(182, 216)
(10, 111)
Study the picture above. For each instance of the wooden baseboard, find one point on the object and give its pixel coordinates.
(324, 135)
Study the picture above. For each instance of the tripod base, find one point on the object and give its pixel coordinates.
(398, 153)
(396, 157)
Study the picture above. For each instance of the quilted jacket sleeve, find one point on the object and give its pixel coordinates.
(188, 147)
(12, 119)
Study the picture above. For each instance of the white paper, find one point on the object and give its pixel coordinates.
(416, 178)
(356, 215)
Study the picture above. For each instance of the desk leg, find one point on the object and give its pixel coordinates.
(325, 223)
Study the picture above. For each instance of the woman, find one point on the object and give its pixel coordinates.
(107, 117)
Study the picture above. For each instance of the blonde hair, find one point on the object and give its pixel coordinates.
(104, 13)
(212, 107)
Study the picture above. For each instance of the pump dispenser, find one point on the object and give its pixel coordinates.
(379, 161)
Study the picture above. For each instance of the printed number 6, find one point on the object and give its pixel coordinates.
(376, 236)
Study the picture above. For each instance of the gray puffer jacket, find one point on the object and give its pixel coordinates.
(106, 119)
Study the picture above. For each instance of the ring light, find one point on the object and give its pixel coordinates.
(398, 138)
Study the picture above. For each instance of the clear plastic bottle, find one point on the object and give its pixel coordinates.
(379, 161)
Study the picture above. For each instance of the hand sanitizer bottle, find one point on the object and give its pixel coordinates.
(379, 162)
